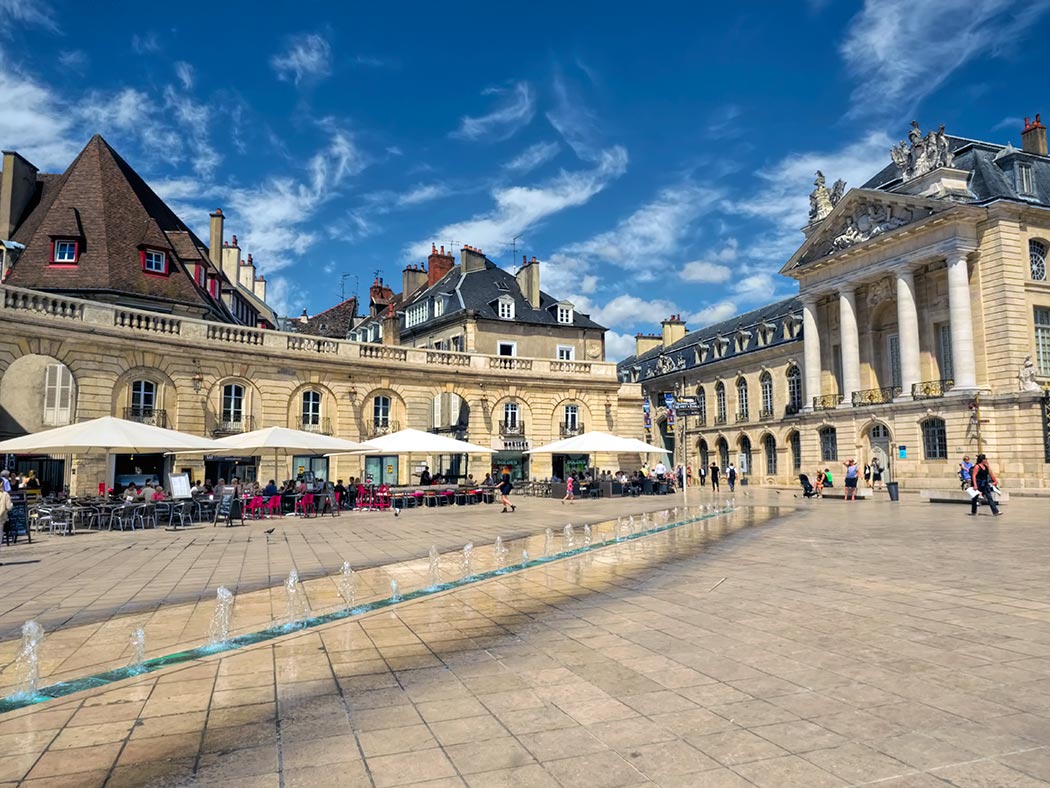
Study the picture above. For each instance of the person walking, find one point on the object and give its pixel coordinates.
(867, 475)
(570, 495)
(731, 477)
(876, 474)
(702, 472)
(982, 482)
(689, 475)
(851, 479)
(505, 486)
(714, 477)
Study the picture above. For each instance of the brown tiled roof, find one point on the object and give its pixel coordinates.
(334, 322)
(105, 205)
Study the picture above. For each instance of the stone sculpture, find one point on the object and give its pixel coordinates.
(920, 155)
(1026, 375)
(870, 220)
(821, 201)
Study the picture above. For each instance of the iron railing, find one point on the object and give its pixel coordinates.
(720, 420)
(376, 428)
(571, 430)
(827, 402)
(931, 389)
(880, 396)
(766, 413)
(792, 409)
(234, 425)
(742, 416)
(512, 428)
(155, 417)
(316, 425)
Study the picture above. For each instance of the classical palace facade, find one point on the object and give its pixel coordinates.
(921, 331)
(112, 306)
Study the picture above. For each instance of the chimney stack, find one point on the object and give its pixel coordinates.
(471, 259)
(413, 277)
(215, 239)
(259, 287)
(17, 187)
(391, 328)
(438, 264)
(643, 343)
(1033, 138)
(528, 277)
(673, 330)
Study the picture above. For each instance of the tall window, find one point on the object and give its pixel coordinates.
(741, 399)
(381, 411)
(59, 395)
(572, 416)
(794, 376)
(1037, 260)
(935, 439)
(311, 408)
(723, 453)
(745, 454)
(564, 314)
(143, 397)
(829, 444)
(766, 382)
(1042, 340)
(506, 309)
(720, 402)
(769, 445)
(705, 455)
(701, 402)
(893, 345)
(232, 403)
(796, 450)
(944, 351)
(510, 415)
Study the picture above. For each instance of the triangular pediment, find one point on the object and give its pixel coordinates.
(862, 215)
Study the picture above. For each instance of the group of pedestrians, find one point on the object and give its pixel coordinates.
(711, 473)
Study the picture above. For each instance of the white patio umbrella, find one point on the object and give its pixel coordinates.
(108, 435)
(411, 441)
(592, 442)
(278, 439)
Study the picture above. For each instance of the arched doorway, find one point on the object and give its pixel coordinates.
(704, 452)
(879, 440)
(722, 446)
(745, 455)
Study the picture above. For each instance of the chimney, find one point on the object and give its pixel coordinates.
(17, 187)
(438, 264)
(391, 328)
(1033, 138)
(246, 272)
(259, 287)
(413, 277)
(673, 330)
(215, 239)
(231, 261)
(303, 318)
(471, 259)
(528, 277)
(643, 343)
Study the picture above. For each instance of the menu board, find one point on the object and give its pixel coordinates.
(179, 485)
(17, 518)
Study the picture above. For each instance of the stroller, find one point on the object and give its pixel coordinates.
(808, 490)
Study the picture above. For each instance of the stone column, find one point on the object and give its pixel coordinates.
(964, 366)
(907, 330)
(811, 350)
(850, 343)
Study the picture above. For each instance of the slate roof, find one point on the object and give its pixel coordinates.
(334, 323)
(683, 353)
(102, 203)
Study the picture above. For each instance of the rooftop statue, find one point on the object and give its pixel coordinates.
(920, 155)
(821, 201)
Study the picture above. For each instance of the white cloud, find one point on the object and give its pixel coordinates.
(184, 71)
(75, 59)
(27, 12)
(519, 208)
(145, 44)
(709, 315)
(618, 346)
(532, 157)
(514, 112)
(309, 56)
(702, 271)
(286, 297)
(420, 194)
(573, 119)
(35, 121)
(722, 121)
(901, 51)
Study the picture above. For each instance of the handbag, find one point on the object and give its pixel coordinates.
(970, 491)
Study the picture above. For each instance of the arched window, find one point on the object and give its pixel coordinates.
(511, 417)
(381, 411)
(705, 454)
(701, 402)
(794, 376)
(720, 403)
(232, 410)
(723, 452)
(766, 383)
(1037, 260)
(935, 439)
(796, 450)
(745, 454)
(829, 444)
(741, 400)
(769, 445)
(311, 409)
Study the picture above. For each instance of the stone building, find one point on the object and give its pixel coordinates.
(921, 331)
(111, 306)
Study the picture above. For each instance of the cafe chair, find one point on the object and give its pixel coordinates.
(382, 498)
(121, 516)
(305, 504)
(254, 507)
(273, 506)
(144, 514)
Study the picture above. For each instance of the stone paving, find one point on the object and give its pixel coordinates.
(839, 644)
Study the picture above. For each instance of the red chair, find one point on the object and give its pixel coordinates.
(382, 498)
(364, 498)
(254, 507)
(305, 505)
(273, 506)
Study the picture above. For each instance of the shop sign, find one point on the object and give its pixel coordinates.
(515, 444)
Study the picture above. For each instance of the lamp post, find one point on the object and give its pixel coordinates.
(680, 439)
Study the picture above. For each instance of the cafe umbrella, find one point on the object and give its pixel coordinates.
(289, 441)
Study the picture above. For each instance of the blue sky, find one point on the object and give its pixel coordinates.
(657, 159)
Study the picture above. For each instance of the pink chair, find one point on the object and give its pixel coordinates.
(273, 506)
(305, 505)
(382, 500)
(254, 507)
(364, 498)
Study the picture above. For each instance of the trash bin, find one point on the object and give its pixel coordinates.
(893, 488)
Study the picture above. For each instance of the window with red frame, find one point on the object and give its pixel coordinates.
(154, 262)
(65, 252)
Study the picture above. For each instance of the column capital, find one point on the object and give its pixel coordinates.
(905, 275)
(849, 290)
(960, 251)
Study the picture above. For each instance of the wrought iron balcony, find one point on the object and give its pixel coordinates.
(376, 428)
(792, 409)
(827, 402)
(698, 421)
(742, 416)
(316, 425)
(931, 389)
(155, 417)
(720, 420)
(767, 413)
(234, 425)
(880, 396)
(512, 428)
(571, 430)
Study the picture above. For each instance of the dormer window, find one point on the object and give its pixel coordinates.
(154, 262)
(439, 306)
(1025, 179)
(416, 314)
(565, 314)
(505, 308)
(65, 252)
